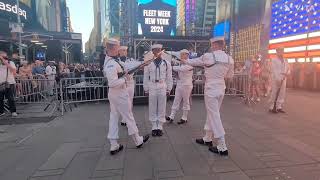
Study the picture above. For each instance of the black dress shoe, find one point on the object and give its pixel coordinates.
(169, 119)
(123, 124)
(182, 122)
(145, 139)
(214, 149)
(202, 142)
(159, 132)
(273, 111)
(281, 111)
(117, 150)
(154, 133)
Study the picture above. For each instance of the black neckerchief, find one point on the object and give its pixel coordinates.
(157, 62)
(117, 59)
(123, 58)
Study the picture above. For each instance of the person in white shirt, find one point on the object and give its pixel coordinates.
(280, 71)
(218, 66)
(157, 83)
(119, 100)
(183, 89)
(51, 76)
(8, 72)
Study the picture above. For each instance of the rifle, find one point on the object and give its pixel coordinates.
(277, 96)
(135, 69)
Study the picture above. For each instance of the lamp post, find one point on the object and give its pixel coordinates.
(20, 29)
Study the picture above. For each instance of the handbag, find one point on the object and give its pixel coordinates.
(4, 85)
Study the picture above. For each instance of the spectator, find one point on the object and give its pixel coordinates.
(255, 73)
(25, 71)
(8, 71)
(238, 68)
(64, 70)
(266, 76)
(51, 73)
(38, 69)
(247, 65)
(77, 71)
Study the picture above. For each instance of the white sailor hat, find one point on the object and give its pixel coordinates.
(51, 61)
(123, 48)
(156, 46)
(113, 41)
(216, 39)
(184, 51)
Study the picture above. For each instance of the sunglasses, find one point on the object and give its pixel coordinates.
(5, 57)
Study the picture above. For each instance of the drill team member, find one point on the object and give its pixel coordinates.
(280, 70)
(128, 63)
(183, 89)
(157, 83)
(119, 100)
(218, 66)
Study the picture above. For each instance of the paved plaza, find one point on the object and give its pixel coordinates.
(262, 146)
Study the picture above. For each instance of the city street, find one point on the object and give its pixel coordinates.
(262, 146)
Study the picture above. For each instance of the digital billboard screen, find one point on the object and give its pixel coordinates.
(295, 27)
(157, 17)
(222, 29)
(9, 10)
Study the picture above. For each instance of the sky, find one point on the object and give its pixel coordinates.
(82, 20)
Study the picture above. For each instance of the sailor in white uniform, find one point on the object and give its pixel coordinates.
(218, 66)
(157, 83)
(128, 63)
(183, 88)
(119, 100)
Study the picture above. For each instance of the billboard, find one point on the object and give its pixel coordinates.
(222, 29)
(157, 17)
(9, 10)
(295, 26)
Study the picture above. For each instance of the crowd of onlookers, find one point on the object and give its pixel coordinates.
(258, 70)
(51, 69)
(259, 76)
(303, 76)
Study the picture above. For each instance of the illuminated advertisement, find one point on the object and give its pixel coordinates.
(222, 30)
(9, 10)
(157, 17)
(295, 26)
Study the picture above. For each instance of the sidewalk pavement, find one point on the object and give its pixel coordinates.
(262, 146)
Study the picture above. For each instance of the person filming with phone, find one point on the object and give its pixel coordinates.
(7, 83)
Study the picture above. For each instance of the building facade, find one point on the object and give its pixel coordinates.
(38, 15)
(106, 23)
(200, 16)
(181, 18)
(248, 23)
(45, 33)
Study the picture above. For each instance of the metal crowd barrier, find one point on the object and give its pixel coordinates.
(36, 90)
(70, 91)
(238, 85)
(78, 90)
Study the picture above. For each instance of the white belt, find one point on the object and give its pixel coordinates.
(158, 81)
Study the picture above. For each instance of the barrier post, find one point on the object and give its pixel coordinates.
(61, 98)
